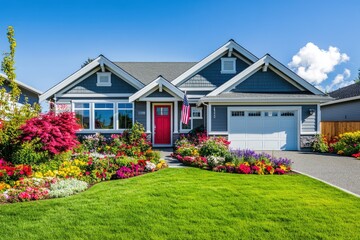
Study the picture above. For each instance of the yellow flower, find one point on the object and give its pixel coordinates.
(340, 152)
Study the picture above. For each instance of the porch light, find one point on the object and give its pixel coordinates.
(311, 111)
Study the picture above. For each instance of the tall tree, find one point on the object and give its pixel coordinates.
(89, 60)
(357, 80)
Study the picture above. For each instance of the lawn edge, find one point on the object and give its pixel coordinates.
(340, 188)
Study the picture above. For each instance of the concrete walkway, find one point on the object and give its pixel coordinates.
(343, 172)
(172, 162)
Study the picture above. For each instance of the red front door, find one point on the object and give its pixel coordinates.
(162, 119)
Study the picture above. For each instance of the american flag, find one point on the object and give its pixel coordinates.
(185, 112)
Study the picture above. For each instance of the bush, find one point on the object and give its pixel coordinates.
(320, 144)
(214, 147)
(28, 153)
(67, 187)
(54, 133)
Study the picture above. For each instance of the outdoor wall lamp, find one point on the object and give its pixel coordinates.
(311, 111)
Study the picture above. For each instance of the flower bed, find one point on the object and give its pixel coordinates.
(213, 153)
(347, 144)
(97, 159)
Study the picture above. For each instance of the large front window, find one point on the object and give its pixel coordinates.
(82, 113)
(104, 115)
(125, 115)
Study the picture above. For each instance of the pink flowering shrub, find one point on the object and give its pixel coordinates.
(56, 133)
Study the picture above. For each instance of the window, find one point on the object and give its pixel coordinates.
(271, 114)
(82, 113)
(162, 111)
(186, 127)
(287, 114)
(196, 113)
(125, 115)
(254, 114)
(104, 115)
(237, 113)
(228, 65)
(103, 79)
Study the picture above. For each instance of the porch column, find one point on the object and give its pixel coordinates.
(148, 118)
(176, 117)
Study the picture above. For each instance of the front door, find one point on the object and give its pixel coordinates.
(162, 126)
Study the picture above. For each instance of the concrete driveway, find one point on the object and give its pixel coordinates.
(343, 172)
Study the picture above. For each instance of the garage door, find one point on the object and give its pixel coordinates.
(263, 130)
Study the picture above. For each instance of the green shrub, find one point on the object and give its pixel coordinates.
(125, 161)
(320, 144)
(212, 147)
(28, 153)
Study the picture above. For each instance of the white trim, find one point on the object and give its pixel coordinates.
(273, 108)
(95, 63)
(228, 59)
(100, 100)
(318, 112)
(69, 95)
(103, 84)
(186, 130)
(176, 116)
(155, 84)
(308, 133)
(218, 133)
(341, 100)
(159, 99)
(198, 109)
(23, 85)
(262, 100)
(171, 124)
(208, 118)
(258, 103)
(148, 117)
(189, 89)
(212, 58)
(195, 96)
(267, 59)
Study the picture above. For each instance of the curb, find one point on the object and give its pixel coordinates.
(340, 188)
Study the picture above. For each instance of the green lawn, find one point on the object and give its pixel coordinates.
(190, 204)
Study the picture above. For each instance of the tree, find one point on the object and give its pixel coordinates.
(89, 60)
(12, 114)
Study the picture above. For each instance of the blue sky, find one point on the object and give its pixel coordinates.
(55, 37)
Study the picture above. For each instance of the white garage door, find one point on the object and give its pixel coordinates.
(263, 129)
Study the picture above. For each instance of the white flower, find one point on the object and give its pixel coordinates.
(150, 166)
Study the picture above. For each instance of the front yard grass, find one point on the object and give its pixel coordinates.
(190, 203)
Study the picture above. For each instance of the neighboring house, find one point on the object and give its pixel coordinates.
(256, 103)
(28, 92)
(345, 107)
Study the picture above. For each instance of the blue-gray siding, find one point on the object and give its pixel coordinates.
(160, 94)
(346, 111)
(88, 86)
(219, 118)
(266, 82)
(31, 96)
(309, 121)
(211, 76)
(140, 113)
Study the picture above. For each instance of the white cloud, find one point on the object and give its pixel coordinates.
(340, 81)
(314, 64)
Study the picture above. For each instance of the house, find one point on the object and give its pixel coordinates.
(31, 94)
(256, 103)
(345, 107)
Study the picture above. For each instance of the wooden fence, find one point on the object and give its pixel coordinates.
(331, 129)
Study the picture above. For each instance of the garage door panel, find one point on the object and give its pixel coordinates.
(270, 130)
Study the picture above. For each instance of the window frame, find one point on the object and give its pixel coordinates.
(74, 109)
(196, 109)
(103, 84)
(226, 71)
(117, 114)
(92, 114)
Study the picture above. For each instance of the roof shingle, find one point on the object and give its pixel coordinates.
(352, 90)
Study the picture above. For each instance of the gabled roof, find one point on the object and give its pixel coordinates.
(160, 81)
(23, 85)
(99, 61)
(252, 69)
(352, 90)
(146, 72)
(229, 46)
